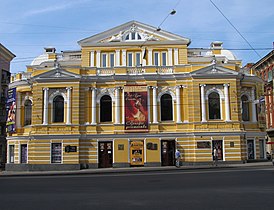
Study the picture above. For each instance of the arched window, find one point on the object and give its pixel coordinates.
(245, 108)
(27, 112)
(214, 106)
(166, 107)
(58, 109)
(105, 109)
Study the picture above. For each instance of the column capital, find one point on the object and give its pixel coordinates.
(226, 85)
(202, 85)
(154, 87)
(46, 88)
(98, 51)
(68, 88)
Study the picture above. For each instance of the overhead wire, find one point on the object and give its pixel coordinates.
(234, 27)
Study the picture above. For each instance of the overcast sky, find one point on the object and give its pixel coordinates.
(26, 27)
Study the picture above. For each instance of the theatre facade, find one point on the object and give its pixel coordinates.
(131, 96)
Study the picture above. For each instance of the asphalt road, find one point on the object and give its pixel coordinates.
(223, 188)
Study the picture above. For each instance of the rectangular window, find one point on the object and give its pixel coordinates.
(56, 153)
(104, 60)
(11, 156)
(129, 59)
(164, 58)
(138, 59)
(24, 153)
(156, 59)
(111, 56)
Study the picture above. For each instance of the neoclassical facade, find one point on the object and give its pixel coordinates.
(131, 96)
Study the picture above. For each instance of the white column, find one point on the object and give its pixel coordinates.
(169, 56)
(117, 58)
(150, 57)
(98, 58)
(124, 57)
(148, 104)
(18, 110)
(176, 56)
(203, 105)
(253, 105)
(117, 105)
(144, 61)
(154, 104)
(69, 105)
(46, 105)
(93, 106)
(123, 105)
(178, 104)
(227, 107)
(91, 58)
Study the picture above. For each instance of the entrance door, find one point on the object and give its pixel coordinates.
(168, 153)
(105, 154)
(250, 149)
(219, 146)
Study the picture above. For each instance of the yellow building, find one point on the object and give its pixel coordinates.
(130, 97)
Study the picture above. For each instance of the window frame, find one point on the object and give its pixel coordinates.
(130, 54)
(166, 108)
(27, 112)
(105, 116)
(164, 61)
(245, 109)
(154, 58)
(59, 155)
(219, 113)
(54, 111)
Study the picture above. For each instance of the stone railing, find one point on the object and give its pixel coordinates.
(165, 70)
(105, 71)
(136, 70)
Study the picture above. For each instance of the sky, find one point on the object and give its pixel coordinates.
(26, 27)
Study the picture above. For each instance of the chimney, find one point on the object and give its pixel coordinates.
(216, 47)
(51, 52)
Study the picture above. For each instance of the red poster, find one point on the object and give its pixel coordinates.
(136, 117)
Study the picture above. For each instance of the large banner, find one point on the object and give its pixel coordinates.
(136, 117)
(11, 110)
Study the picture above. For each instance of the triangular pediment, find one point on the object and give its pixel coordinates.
(57, 74)
(214, 71)
(132, 32)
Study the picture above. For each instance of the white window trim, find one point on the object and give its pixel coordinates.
(132, 54)
(140, 58)
(173, 97)
(221, 95)
(102, 60)
(62, 155)
(114, 63)
(154, 53)
(164, 52)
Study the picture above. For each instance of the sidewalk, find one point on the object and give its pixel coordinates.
(130, 169)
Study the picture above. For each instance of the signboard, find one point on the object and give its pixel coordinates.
(69, 148)
(203, 144)
(11, 110)
(136, 116)
(137, 153)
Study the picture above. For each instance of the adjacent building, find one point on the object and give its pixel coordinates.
(265, 67)
(131, 96)
(5, 58)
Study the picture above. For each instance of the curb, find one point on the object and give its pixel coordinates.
(127, 170)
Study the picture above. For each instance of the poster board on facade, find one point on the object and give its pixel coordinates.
(136, 110)
(136, 153)
(11, 110)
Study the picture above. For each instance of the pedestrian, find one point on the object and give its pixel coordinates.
(215, 156)
(177, 158)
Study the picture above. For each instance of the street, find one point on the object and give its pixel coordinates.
(220, 188)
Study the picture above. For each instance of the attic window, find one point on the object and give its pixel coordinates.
(133, 36)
